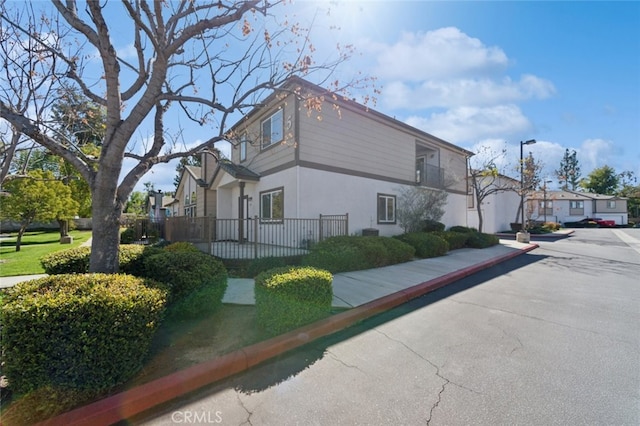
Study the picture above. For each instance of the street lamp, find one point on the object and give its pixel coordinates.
(523, 237)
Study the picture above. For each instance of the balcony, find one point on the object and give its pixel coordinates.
(429, 175)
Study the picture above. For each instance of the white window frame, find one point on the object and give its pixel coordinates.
(243, 148)
(276, 129)
(578, 204)
(389, 201)
(611, 204)
(268, 196)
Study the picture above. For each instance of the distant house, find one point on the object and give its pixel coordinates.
(570, 206)
(294, 161)
(158, 206)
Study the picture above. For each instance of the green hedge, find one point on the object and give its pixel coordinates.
(76, 260)
(425, 244)
(463, 229)
(81, 331)
(289, 297)
(186, 272)
(128, 236)
(352, 253)
(432, 226)
(482, 240)
(456, 240)
(181, 246)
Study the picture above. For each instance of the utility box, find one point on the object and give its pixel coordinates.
(370, 232)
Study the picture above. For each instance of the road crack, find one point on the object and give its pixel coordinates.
(249, 413)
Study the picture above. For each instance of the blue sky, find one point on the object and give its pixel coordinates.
(491, 74)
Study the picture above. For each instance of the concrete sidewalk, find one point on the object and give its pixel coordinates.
(368, 293)
(351, 289)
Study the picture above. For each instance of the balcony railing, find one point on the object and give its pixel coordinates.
(429, 175)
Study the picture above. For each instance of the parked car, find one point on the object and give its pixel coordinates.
(591, 222)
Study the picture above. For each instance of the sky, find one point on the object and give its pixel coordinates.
(487, 75)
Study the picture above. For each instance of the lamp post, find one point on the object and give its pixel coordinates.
(523, 235)
(544, 199)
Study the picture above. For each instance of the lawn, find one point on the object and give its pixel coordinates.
(34, 245)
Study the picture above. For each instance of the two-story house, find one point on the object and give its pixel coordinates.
(570, 206)
(305, 152)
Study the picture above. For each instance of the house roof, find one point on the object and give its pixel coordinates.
(236, 170)
(573, 195)
(293, 84)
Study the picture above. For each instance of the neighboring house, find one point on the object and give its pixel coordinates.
(499, 209)
(291, 160)
(569, 206)
(158, 206)
(194, 198)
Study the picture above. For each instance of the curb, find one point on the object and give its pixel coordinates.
(132, 402)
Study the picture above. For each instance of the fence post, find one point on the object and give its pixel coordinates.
(320, 228)
(256, 238)
(346, 224)
(209, 239)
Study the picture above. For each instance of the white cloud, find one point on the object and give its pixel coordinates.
(442, 53)
(595, 153)
(468, 124)
(467, 91)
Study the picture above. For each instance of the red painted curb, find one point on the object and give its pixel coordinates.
(137, 400)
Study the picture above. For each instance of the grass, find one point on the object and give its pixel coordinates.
(34, 246)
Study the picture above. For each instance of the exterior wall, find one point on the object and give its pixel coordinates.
(592, 208)
(186, 186)
(498, 211)
(310, 192)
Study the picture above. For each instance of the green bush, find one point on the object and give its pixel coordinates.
(289, 297)
(551, 226)
(264, 264)
(186, 272)
(352, 253)
(181, 246)
(70, 261)
(425, 244)
(432, 226)
(482, 240)
(456, 240)
(462, 229)
(76, 260)
(81, 331)
(128, 236)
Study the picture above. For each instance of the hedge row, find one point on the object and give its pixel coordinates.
(425, 244)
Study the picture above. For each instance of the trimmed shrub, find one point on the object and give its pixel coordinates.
(551, 226)
(128, 236)
(462, 229)
(289, 297)
(456, 240)
(76, 260)
(181, 246)
(186, 272)
(70, 261)
(432, 226)
(397, 251)
(425, 244)
(81, 331)
(352, 253)
(264, 264)
(482, 240)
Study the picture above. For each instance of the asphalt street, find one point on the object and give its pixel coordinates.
(549, 338)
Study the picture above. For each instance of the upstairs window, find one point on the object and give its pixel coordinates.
(243, 148)
(386, 209)
(611, 204)
(272, 129)
(577, 204)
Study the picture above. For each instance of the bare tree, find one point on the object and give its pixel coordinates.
(530, 181)
(485, 178)
(205, 62)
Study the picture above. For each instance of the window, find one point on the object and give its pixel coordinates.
(243, 148)
(611, 204)
(272, 129)
(548, 204)
(193, 197)
(272, 205)
(386, 209)
(577, 204)
(190, 212)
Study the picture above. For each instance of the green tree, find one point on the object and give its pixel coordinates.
(603, 180)
(136, 203)
(568, 173)
(630, 189)
(38, 197)
(204, 62)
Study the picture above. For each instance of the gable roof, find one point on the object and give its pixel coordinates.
(235, 170)
(574, 195)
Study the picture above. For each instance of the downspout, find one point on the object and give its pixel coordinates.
(241, 213)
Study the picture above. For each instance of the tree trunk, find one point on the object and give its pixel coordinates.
(20, 234)
(64, 227)
(105, 236)
(480, 219)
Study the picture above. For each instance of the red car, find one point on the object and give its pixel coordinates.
(601, 222)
